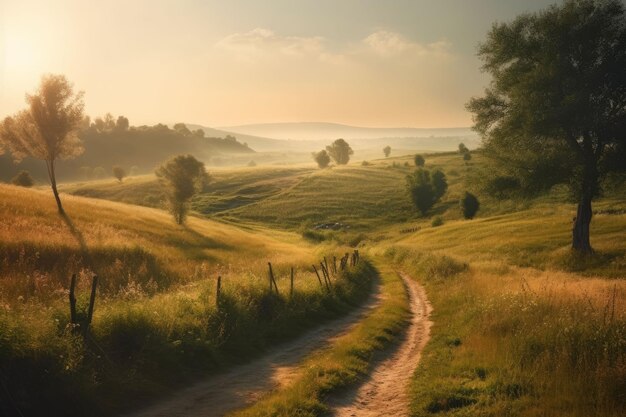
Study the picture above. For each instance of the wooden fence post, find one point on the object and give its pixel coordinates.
(73, 300)
(92, 301)
(272, 279)
(318, 276)
(291, 288)
(326, 277)
(218, 290)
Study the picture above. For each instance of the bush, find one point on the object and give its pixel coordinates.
(421, 190)
(502, 187)
(322, 158)
(119, 172)
(437, 221)
(23, 179)
(440, 183)
(469, 205)
(365, 164)
(419, 160)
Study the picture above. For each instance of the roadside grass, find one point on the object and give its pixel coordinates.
(512, 340)
(347, 360)
(157, 324)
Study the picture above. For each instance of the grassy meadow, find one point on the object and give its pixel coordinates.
(521, 326)
(157, 323)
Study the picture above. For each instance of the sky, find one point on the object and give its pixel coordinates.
(374, 63)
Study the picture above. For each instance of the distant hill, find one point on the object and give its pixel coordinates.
(308, 137)
(143, 147)
(326, 131)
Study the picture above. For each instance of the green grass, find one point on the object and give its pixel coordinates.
(347, 360)
(157, 324)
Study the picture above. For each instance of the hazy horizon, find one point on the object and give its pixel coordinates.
(406, 64)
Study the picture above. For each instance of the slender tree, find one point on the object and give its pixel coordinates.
(182, 177)
(47, 129)
(557, 100)
(119, 173)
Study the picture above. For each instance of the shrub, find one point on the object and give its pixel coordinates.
(23, 179)
(502, 186)
(419, 160)
(440, 184)
(119, 172)
(437, 221)
(469, 205)
(421, 190)
(322, 158)
(365, 164)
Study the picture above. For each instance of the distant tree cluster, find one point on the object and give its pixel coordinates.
(339, 151)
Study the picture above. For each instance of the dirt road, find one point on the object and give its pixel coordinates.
(244, 384)
(385, 392)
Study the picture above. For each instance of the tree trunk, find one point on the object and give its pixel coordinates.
(53, 184)
(580, 232)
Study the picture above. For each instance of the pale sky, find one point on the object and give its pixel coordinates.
(377, 63)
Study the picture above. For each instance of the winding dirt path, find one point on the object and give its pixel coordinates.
(385, 392)
(243, 385)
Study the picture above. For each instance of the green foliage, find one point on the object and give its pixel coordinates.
(550, 108)
(321, 158)
(469, 205)
(419, 160)
(440, 183)
(340, 151)
(23, 179)
(119, 172)
(182, 177)
(420, 188)
(437, 221)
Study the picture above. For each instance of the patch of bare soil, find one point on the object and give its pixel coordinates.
(243, 385)
(385, 391)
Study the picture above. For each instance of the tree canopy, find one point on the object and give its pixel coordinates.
(48, 128)
(321, 158)
(340, 151)
(555, 111)
(182, 177)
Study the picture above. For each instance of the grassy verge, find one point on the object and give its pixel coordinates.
(346, 361)
(156, 324)
(510, 341)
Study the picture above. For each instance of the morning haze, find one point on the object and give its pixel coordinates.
(284, 208)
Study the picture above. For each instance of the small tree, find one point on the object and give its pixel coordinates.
(463, 149)
(119, 173)
(340, 151)
(122, 124)
(421, 190)
(48, 128)
(387, 151)
(467, 156)
(419, 160)
(23, 179)
(469, 205)
(440, 184)
(182, 177)
(321, 158)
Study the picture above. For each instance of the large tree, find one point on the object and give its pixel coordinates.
(182, 177)
(555, 111)
(48, 128)
(340, 151)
